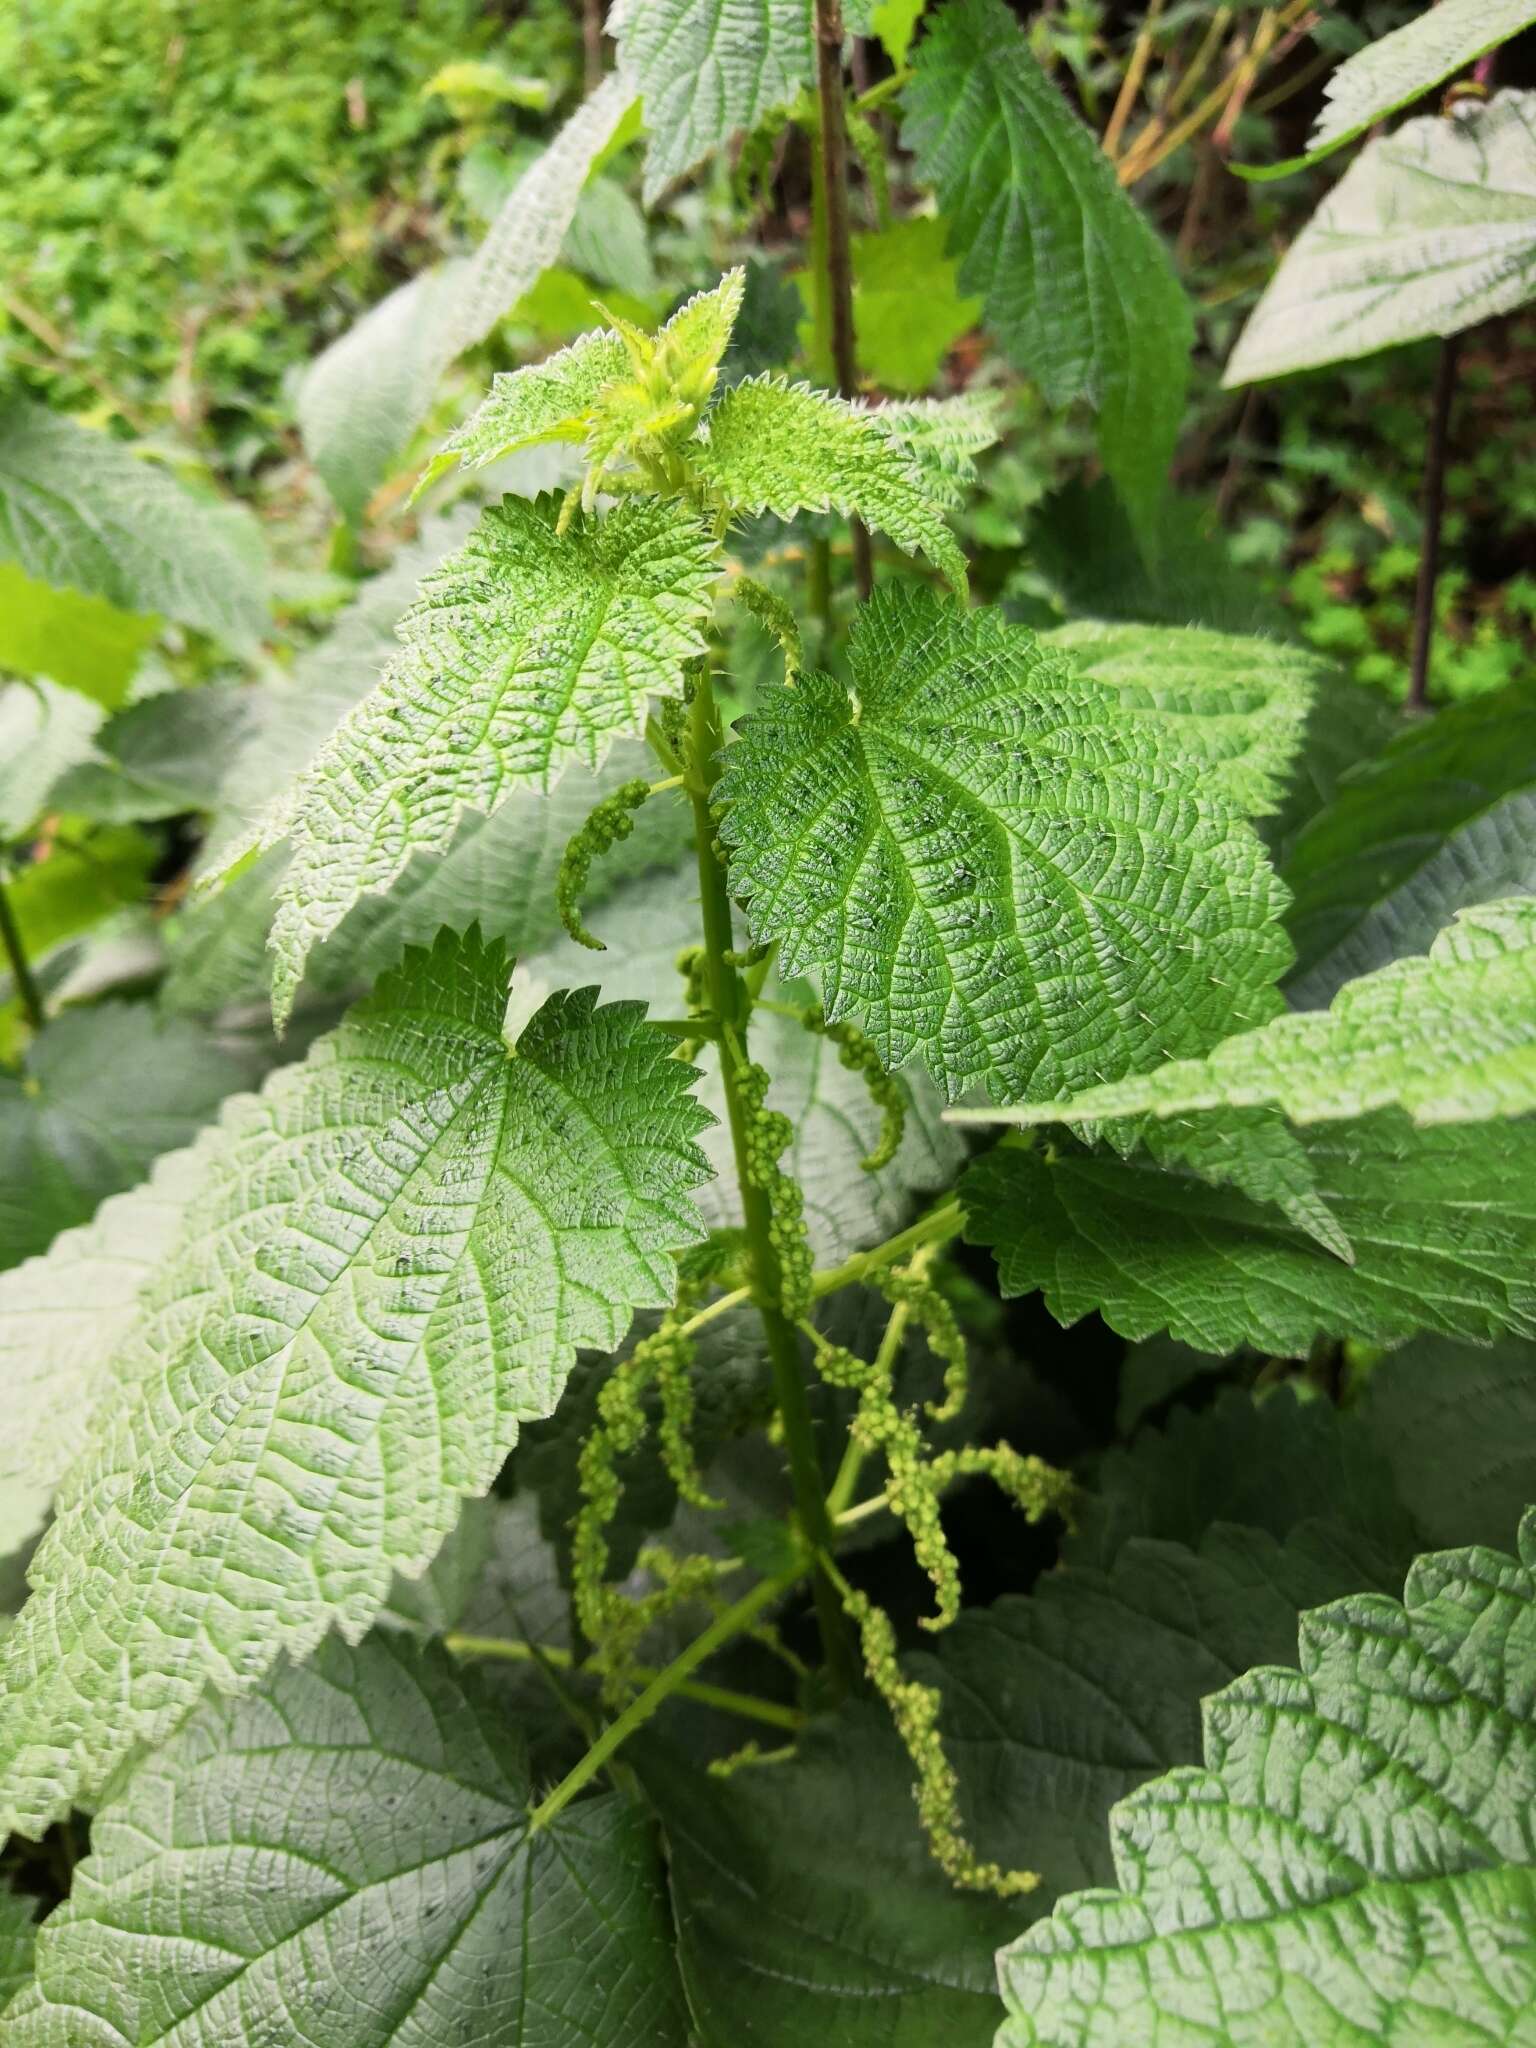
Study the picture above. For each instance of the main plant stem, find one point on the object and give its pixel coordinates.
(1434, 508)
(834, 249)
(21, 969)
(731, 1004)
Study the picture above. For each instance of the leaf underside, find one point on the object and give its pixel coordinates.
(987, 865)
(392, 1255)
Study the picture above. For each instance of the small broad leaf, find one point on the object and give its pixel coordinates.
(1444, 818)
(1429, 231)
(79, 510)
(1356, 1860)
(906, 309)
(1077, 286)
(784, 448)
(361, 400)
(393, 1253)
(377, 1807)
(102, 1092)
(1440, 1224)
(988, 865)
(1238, 704)
(526, 651)
(82, 642)
(706, 69)
(1449, 1036)
(1398, 69)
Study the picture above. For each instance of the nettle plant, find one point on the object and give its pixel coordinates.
(949, 932)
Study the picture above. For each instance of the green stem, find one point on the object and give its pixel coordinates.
(726, 1698)
(21, 971)
(937, 1227)
(846, 1484)
(729, 1000)
(661, 1688)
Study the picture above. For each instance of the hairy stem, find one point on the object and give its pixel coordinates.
(1434, 507)
(732, 1622)
(835, 249)
(729, 1001)
(725, 1697)
(21, 970)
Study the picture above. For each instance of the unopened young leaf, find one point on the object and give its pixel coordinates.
(1440, 1226)
(1444, 818)
(987, 865)
(345, 1859)
(526, 651)
(394, 1253)
(1449, 1036)
(1076, 284)
(784, 448)
(1354, 1863)
(78, 509)
(1430, 230)
(1396, 69)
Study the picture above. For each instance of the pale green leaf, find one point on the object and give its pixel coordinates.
(68, 887)
(82, 642)
(101, 1093)
(943, 437)
(526, 651)
(1441, 1225)
(1429, 231)
(987, 865)
(548, 401)
(393, 1253)
(346, 1860)
(1356, 1861)
(706, 69)
(158, 758)
(361, 400)
(1398, 69)
(1449, 1036)
(78, 509)
(895, 23)
(1077, 286)
(607, 240)
(1443, 819)
(1238, 705)
(907, 310)
(43, 731)
(784, 448)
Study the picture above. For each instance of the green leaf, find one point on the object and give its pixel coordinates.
(526, 651)
(1078, 288)
(43, 731)
(346, 1859)
(1237, 705)
(1346, 726)
(85, 644)
(1054, 1707)
(1443, 819)
(548, 401)
(1449, 1036)
(1398, 69)
(1429, 231)
(895, 23)
(72, 883)
(906, 308)
(440, 1224)
(943, 437)
(987, 865)
(78, 509)
(706, 69)
(363, 398)
(607, 240)
(784, 448)
(1441, 1224)
(102, 1092)
(1457, 1427)
(158, 758)
(18, 1937)
(65, 1313)
(1354, 1863)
